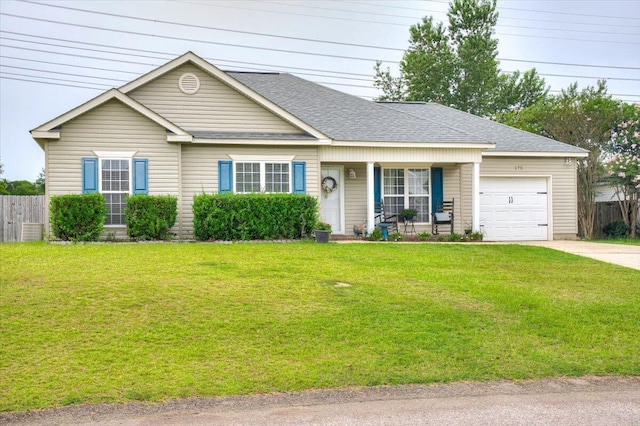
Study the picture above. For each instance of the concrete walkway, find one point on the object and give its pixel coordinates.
(618, 254)
(579, 401)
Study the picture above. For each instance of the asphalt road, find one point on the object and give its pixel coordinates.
(582, 401)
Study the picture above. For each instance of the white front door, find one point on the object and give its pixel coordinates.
(332, 198)
(514, 208)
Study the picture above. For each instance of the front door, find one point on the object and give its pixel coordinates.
(332, 197)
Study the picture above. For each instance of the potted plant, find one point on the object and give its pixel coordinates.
(322, 232)
(409, 214)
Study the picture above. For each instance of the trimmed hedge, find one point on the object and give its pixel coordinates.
(149, 217)
(78, 217)
(232, 217)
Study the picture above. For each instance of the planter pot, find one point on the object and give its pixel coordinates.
(322, 236)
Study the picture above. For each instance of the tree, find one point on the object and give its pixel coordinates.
(580, 118)
(21, 187)
(623, 166)
(457, 66)
(3, 182)
(41, 181)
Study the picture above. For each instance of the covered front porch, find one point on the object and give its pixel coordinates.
(351, 191)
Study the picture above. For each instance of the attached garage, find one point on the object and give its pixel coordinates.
(514, 208)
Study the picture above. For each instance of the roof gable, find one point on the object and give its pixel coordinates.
(47, 130)
(229, 81)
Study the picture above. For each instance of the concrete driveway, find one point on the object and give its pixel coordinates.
(565, 401)
(618, 254)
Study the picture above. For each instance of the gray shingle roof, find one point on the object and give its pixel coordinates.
(345, 117)
(506, 138)
(251, 135)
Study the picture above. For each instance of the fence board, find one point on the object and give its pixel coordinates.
(16, 210)
(606, 212)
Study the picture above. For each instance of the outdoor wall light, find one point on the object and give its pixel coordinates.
(352, 174)
(567, 160)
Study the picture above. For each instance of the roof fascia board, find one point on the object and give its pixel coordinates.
(275, 142)
(101, 99)
(534, 154)
(386, 144)
(228, 80)
(40, 134)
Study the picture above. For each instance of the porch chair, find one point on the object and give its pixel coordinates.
(442, 216)
(386, 222)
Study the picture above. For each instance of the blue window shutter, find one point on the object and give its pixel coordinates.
(377, 189)
(89, 175)
(225, 176)
(436, 187)
(140, 176)
(299, 177)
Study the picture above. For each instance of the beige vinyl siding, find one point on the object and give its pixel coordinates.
(111, 127)
(563, 186)
(452, 190)
(215, 107)
(340, 154)
(200, 171)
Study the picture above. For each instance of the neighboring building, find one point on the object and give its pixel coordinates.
(188, 127)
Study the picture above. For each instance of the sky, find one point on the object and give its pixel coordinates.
(56, 55)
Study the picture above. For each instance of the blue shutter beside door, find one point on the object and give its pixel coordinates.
(225, 176)
(299, 177)
(140, 176)
(377, 190)
(89, 175)
(436, 187)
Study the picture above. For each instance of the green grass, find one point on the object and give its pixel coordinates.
(122, 322)
(627, 241)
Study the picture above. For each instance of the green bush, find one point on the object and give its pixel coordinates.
(149, 217)
(232, 217)
(424, 236)
(376, 235)
(78, 217)
(617, 229)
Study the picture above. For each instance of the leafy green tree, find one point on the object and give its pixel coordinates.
(22, 187)
(3, 182)
(41, 181)
(623, 166)
(457, 66)
(584, 119)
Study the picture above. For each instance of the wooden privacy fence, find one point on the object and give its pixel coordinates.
(16, 210)
(606, 212)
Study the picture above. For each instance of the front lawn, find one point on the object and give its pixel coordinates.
(627, 241)
(120, 322)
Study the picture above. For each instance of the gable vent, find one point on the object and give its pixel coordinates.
(189, 83)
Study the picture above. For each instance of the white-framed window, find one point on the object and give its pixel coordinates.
(271, 175)
(407, 188)
(115, 185)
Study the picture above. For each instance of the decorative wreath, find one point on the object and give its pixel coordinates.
(329, 185)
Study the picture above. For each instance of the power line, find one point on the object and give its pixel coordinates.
(284, 50)
(52, 84)
(271, 49)
(67, 65)
(173, 55)
(61, 73)
(54, 78)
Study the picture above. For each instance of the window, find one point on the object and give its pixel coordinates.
(262, 176)
(407, 188)
(115, 184)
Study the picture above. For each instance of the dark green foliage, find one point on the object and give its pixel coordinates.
(149, 217)
(617, 229)
(376, 235)
(232, 217)
(77, 217)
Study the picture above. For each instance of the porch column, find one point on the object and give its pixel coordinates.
(475, 197)
(370, 198)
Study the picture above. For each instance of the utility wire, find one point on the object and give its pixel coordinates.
(245, 67)
(284, 50)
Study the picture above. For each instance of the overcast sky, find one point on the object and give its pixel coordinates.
(55, 55)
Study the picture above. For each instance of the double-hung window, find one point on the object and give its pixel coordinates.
(115, 184)
(262, 176)
(407, 188)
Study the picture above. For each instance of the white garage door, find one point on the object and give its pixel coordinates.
(513, 209)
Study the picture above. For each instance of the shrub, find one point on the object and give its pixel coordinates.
(77, 217)
(455, 237)
(149, 217)
(617, 229)
(475, 236)
(396, 236)
(376, 235)
(424, 236)
(232, 217)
